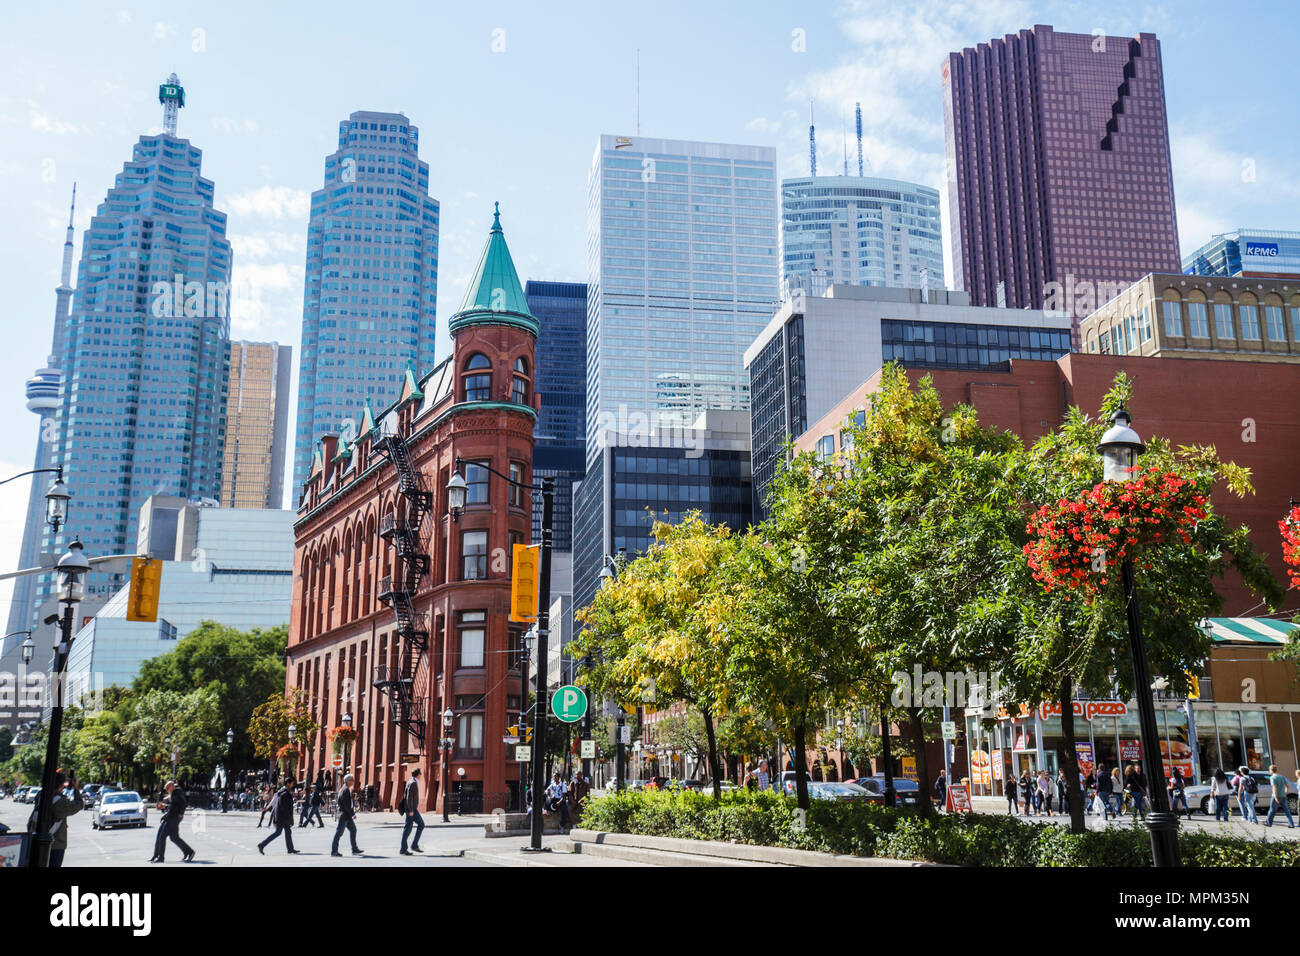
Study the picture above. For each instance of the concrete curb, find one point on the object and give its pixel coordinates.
(712, 852)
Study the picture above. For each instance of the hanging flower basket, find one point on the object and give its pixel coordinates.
(1079, 544)
(287, 756)
(1290, 528)
(343, 736)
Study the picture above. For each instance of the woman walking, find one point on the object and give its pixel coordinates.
(1219, 789)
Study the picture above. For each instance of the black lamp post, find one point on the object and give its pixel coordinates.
(72, 570)
(446, 744)
(29, 646)
(225, 784)
(609, 572)
(1119, 449)
(456, 493)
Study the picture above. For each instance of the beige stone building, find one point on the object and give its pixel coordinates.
(257, 418)
(1213, 317)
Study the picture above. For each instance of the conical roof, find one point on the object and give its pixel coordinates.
(495, 295)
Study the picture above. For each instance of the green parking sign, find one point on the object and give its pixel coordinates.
(569, 703)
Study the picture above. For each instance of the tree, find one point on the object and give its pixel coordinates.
(242, 667)
(187, 725)
(1073, 632)
(268, 727)
(6, 743)
(657, 633)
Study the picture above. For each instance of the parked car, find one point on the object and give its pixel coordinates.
(906, 792)
(653, 783)
(118, 809)
(837, 791)
(1199, 796)
(90, 794)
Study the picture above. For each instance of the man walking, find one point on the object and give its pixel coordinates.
(941, 789)
(1278, 782)
(411, 808)
(281, 816)
(169, 828)
(62, 806)
(346, 813)
(555, 795)
(311, 805)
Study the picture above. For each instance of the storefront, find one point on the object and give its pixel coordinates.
(1246, 713)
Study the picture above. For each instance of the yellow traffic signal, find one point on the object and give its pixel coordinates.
(1193, 686)
(523, 583)
(146, 584)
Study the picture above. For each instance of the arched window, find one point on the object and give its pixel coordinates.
(520, 388)
(478, 378)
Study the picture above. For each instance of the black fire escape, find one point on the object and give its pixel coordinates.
(401, 528)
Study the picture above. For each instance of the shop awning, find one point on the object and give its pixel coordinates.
(1249, 630)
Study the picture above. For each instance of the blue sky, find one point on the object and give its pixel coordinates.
(510, 98)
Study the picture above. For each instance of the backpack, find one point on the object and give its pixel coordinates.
(1251, 784)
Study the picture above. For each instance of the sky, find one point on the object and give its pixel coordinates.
(510, 99)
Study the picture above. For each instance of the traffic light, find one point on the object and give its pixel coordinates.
(523, 583)
(146, 583)
(527, 735)
(1193, 686)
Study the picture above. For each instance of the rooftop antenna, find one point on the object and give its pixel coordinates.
(844, 138)
(638, 91)
(859, 139)
(172, 96)
(66, 275)
(812, 141)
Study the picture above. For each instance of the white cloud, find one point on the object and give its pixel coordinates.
(268, 245)
(761, 124)
(45, 123)
(123, 17)
(271, 202)
(228, 124)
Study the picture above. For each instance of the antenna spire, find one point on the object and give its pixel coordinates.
(172, 97)
(859, 139)
(65, 281)
(812, 141)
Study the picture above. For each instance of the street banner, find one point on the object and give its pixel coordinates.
(997, 765)
(1130, 750)
(1083, 751)
(979, 768)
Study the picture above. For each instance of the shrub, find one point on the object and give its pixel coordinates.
(868, 829)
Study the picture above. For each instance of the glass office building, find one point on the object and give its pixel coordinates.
(561, 308)
(1253, 253)
(859, 230)
(372, 279)
(682, 274)
(145, 352)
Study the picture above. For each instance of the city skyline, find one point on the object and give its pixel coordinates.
(78, 130)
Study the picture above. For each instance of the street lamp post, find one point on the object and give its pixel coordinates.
(225, 784)
(72, 570)
(525, 651)
(445, 744)
(1119, 449)
(456, 493)
(609, 572)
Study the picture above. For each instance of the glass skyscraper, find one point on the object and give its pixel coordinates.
(145, 352)
(561, 308)
(1058, 165)
(859, 230)
(682, 274)
(1253, 253)
(371, 280)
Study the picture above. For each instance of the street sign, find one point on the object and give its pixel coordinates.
(949, 730)
(337, 762)
(958, 799)
(569, 703)
(510, 740)
(589, 750)
(625, 732)
(410, 758)
(523, 754)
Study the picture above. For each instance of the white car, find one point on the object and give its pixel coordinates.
(121, 808)
(1200, 796)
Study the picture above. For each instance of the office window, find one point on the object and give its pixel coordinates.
(1249, 322)
(1173, 318)
(476, 483)
(478, 378)
(472, 637)
(825, 447)
(519, 388)
(1105, 342)
(1144, 321)
(1276, 325)
(473, 555)
(517, 491)
(1223, 321)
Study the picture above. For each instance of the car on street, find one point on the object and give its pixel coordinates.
(122, 808)
(843, 790)
(906, 792)
(1200, 796)
(90, 794)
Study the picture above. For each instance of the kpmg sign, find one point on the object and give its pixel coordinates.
(1268, 249)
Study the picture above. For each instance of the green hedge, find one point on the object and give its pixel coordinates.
(867, 829)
